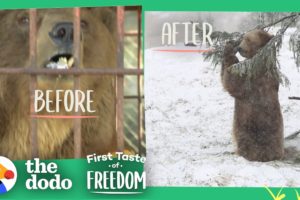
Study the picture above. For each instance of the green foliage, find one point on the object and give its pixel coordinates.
(219, 39)
(267, 54)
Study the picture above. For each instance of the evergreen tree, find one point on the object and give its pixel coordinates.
(266, 54)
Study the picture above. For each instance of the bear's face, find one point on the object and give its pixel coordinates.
(253, 41)
(54, 43)
(55, 38)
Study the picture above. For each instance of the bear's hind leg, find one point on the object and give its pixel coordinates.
(255, 146)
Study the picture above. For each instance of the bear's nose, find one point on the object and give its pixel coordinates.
(62, 34)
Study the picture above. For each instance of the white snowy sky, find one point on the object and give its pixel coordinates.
(223, 21)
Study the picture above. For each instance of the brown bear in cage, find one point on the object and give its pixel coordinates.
(258, 123)
(54, 43)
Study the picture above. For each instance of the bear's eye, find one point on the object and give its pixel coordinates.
(84, 24)
(24, 20)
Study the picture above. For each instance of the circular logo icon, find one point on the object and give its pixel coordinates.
(8, 175)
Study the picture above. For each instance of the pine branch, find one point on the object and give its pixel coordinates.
(293, 135)
(220, 38)
(294, 98)
(266, 54)
(278, 21)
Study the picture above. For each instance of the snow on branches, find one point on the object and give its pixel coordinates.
(266, 54)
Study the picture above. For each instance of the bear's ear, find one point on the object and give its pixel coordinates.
(265, 36)
(109, 18)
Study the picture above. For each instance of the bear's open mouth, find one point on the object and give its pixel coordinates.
(60, 61)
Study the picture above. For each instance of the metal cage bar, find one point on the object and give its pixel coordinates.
(33, 81)
(139, 106)
(76, 55)
(73, 71)
(120, 80)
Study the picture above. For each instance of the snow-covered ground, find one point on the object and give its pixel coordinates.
(189, 121)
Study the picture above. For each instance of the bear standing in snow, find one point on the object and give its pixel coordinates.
(258, 123)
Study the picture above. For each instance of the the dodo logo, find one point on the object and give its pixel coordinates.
(8, 175)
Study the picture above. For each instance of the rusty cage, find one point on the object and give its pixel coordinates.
(120, 72)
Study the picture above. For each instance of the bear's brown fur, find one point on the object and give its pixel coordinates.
(55, 136)
(258, 123)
